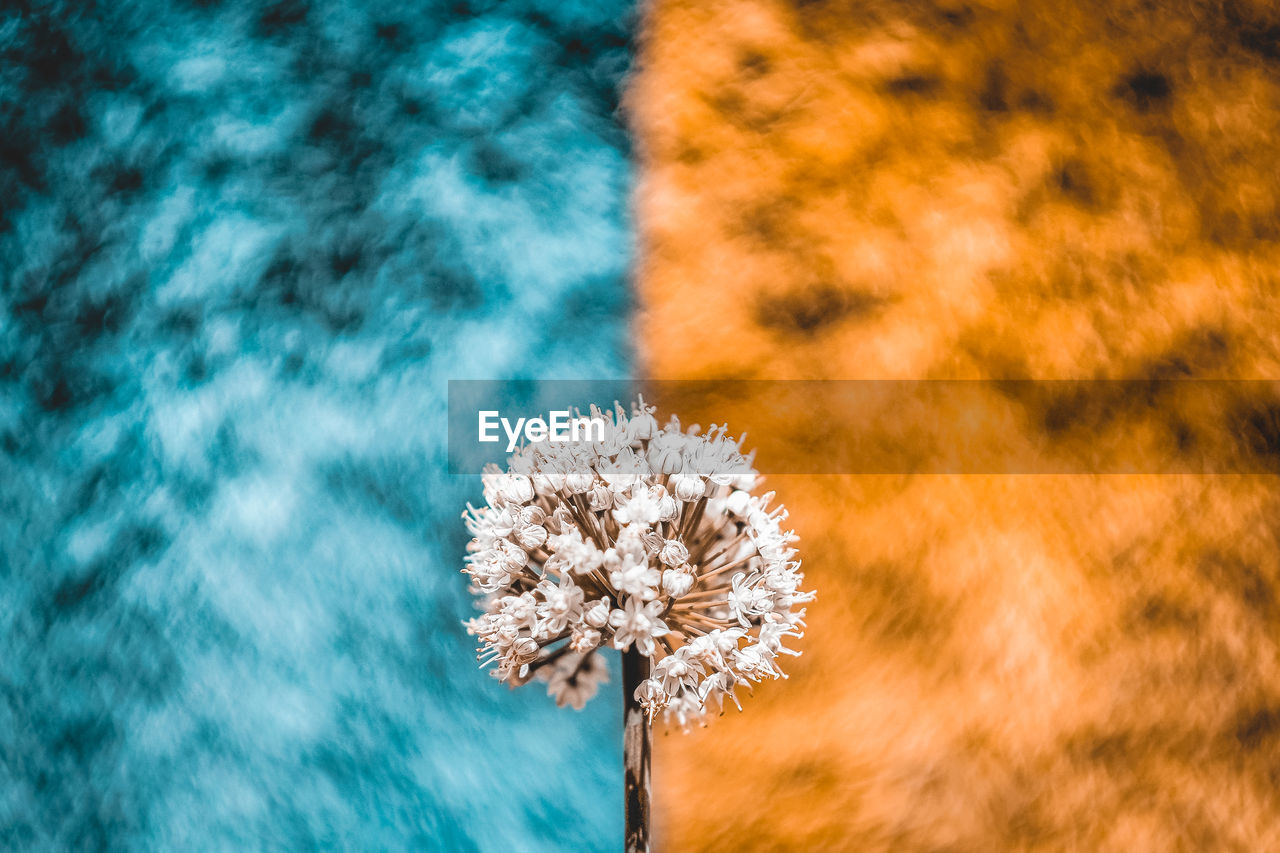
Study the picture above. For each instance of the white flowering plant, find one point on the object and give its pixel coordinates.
(650, 540)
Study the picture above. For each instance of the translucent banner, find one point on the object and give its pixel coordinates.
(1166, 426)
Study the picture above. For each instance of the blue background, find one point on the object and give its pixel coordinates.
(244, 246)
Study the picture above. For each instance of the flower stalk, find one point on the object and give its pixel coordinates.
(636, 752)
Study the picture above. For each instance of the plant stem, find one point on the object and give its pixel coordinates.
(635, 752)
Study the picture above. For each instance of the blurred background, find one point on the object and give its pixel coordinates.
(244, 245)
(947, 190)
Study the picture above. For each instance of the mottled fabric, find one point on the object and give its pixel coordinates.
(244, 245)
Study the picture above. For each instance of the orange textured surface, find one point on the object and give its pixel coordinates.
(1035, 190)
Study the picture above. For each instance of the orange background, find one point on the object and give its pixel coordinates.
(1034, 190)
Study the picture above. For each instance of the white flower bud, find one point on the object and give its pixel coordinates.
(647, 690)
(563, 518)
(531, 536)
(665, 457)
(676, 583)
(578, 481)
(532, 515)
(674, 553)
(516, 488)
(689, 487)
(600, 497)
(642, 427)
(597, 615)
(503, 522)
(584, 639)
(512, 556)
(738, 502)
(668, 509)
(525, 650)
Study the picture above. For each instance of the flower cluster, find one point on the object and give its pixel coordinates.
(649, 539)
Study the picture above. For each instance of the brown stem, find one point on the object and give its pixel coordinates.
(690, 525)
(698, 594)
(731, 543)
(635, 752)
(719, 570)
(687, 616)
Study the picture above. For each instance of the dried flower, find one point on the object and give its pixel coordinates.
(649, 539)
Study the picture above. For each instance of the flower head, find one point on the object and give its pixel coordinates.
(651, 539)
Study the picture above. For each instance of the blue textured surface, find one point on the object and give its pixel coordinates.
(243, 247)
